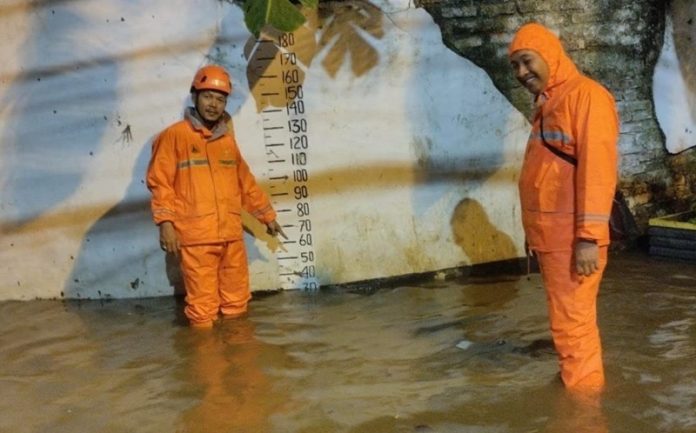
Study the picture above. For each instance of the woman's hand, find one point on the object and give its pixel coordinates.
(586, 257)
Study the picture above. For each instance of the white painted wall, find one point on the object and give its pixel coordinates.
(674, 80)
(413, 163)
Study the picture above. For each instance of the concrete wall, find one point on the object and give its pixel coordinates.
(674, 90)
(409, 168)
(400, 154)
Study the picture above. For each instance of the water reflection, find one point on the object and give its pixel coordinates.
(379, 361)
(224, 367)
(577, 412)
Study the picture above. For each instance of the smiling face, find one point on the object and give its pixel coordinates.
(210, 105)
(530, 69)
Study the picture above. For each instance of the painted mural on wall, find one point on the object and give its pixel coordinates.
(674, 83)
(392, 165)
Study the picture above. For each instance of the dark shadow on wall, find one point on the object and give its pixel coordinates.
(60, 112)
(130, 219)
(461, 148)
(21, 6)
(125, 237)
(366, 177)
(58, 115)
(449, 163)
(474, 232)
(121, 246)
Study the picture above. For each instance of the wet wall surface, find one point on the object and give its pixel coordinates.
(459, 356)
(344, 113)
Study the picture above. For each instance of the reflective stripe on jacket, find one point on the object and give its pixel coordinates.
(561, 202)
(200, 182)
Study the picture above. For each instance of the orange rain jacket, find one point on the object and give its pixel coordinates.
(561, 202)
(200, 182)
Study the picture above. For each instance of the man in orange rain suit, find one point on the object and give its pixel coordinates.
(200, 183)
(566, 188)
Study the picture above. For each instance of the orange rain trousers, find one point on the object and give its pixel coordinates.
(217, 280)
(572, 305)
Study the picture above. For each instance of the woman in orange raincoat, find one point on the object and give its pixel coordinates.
(200, 183)
(566, 188)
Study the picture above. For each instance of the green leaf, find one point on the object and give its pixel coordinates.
(280, 14)
(310, 3)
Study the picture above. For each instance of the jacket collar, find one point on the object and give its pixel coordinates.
(220, 128)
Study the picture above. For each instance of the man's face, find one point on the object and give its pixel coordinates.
(210, 104)
(530, 69)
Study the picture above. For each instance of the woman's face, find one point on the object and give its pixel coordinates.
(530, 69)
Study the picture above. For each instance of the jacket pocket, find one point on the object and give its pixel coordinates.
(231, 225)
(199, 228)
(196, 209)
(556, 187)
(547, 170)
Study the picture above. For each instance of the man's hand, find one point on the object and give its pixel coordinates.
(273, 229)
(586, 257)
(169, 242)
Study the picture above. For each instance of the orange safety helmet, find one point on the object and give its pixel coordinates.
(212, 77)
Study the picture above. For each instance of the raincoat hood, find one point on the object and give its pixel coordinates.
(536, 37)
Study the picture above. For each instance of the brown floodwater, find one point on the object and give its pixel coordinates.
(465, 356)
